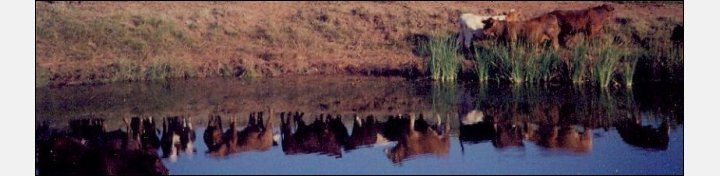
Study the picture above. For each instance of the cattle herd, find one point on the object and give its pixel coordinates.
(85, 147)
(556, 27)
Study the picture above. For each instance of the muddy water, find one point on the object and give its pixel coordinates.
(345, 125)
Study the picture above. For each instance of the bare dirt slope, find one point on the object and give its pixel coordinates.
(115, 41)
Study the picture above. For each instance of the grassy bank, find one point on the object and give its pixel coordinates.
(606, 61)
(101, 42)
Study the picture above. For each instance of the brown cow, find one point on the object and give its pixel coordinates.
(364, 132)
(87, 149)
(178, 136)
(421, 139)
(512, 15)
(534, 31)
(325, 135)
(255, 137)
(589, 21)
(566, 137)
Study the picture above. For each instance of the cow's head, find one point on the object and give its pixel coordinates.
(396, 154)
(608, 7)
(492, 28)
(512, 15)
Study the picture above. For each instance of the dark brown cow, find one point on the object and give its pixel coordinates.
(508, 135)
(326, 135)
(364, 132)
(87, 149)
(634, 133)
(533, 31)
(178, 136)
(588, 21)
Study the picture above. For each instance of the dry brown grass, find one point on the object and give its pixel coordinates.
(84, 43)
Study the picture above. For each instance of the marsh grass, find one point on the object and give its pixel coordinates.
(550, 65)
(666, 57)
(607, 61)
(444, 94)
(579, 63)
(444, 62)
(482, 65)
(629, 66)
(520, 63)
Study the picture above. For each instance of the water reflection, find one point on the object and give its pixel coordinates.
(417, 137)
(634, 133)
(86, 148)
(178, 137)
(396, 127)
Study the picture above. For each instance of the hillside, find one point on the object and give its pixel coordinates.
(98, 42)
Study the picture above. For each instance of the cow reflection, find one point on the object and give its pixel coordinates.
(569, 137)
(86, 148)
(325, 135)
(256, 136)
(178, 137)
(508, 135)
(364, 132)
(417, 137)
(634, 133)
(475, 127)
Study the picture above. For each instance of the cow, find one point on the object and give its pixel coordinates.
(364, 132)
(472, 24)
(86, 148)
(677, 34)
(474, 128)
(178, 136)
(325, 135)
(588, 21)
(507, 134)
(420, 138)
(553, 132)
(534, 31)
(634, 133)
(256, 136)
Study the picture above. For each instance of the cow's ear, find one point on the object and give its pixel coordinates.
(609, 7)
(488, 22)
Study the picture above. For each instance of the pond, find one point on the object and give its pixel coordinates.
(357, 125)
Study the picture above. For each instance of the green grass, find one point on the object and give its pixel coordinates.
(444, 62)
(482, 65)
(550, 65)
(629, 65)
(519, 64)
(579, 64)
(606, 64)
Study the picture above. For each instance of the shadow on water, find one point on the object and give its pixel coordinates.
(408, 122)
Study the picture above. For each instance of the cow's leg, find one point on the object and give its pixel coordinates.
(554, 41)
(468, 37)
(460, 38)
(358, 120)
(268, 124)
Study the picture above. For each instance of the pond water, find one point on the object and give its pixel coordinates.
(357, 125)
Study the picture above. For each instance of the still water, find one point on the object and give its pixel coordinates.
(357, 125)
